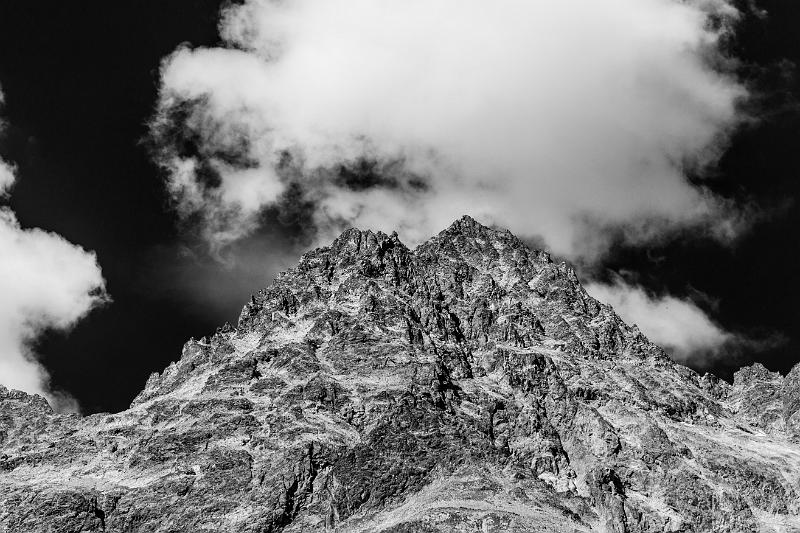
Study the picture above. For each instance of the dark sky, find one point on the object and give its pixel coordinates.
(80, 80)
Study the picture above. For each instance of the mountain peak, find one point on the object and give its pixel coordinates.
(467, 224)
(469, 227)
(355, 238)
(471, 383)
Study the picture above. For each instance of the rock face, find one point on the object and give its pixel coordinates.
(470, 385)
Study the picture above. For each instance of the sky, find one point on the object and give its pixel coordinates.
(161, 161)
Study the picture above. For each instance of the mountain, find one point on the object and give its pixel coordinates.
(469, 385)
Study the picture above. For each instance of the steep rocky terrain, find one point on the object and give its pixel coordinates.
(470, 385)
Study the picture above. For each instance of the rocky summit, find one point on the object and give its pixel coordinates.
(469, 385)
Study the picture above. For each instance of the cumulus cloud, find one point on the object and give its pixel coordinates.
(676, 324)
(46, 283)
(567, 120)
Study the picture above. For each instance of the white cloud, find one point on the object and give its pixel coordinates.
(678, 325)
(46, 283)
(556, 119)
(7, 178)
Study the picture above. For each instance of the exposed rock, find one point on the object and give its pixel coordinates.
(469, 385)
(767, 401)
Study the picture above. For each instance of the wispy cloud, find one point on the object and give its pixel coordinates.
(679, 325)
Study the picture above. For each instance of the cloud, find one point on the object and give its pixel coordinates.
(7, 178)
(46, 283)
(676, 324)
(210, 290)
(570, 121)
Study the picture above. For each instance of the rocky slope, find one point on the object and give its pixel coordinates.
(470, 385)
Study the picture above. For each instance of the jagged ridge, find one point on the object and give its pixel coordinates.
(469, 385)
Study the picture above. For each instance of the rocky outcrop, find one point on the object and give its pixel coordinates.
(766, 400)
(469, 385)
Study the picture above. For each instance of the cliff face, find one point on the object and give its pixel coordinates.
(468, 385)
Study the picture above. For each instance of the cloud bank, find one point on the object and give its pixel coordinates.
(46, 283)
(568, 121)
